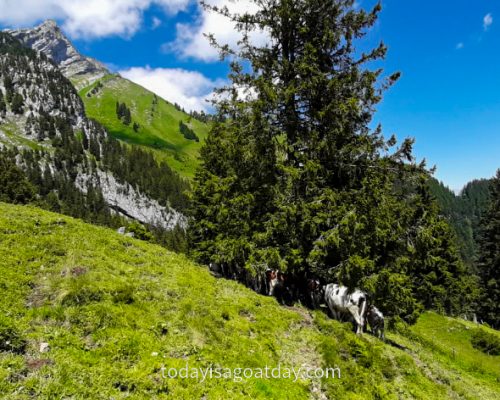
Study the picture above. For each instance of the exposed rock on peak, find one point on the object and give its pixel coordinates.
(49, 23)
(49, 39)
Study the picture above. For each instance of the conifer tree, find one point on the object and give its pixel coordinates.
(296, 143)
(127, 118)
(489, 258)
(9, 88)
(17, 104)
(441, 279)
(14, 186)
(292, 176)
(3, 106)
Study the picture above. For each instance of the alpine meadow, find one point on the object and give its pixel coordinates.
(210, 205)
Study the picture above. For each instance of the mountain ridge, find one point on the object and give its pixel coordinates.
(70, 158)
(48, 38)
(155, 122)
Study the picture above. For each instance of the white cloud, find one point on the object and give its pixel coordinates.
(85, 18)
(459, 46)
(487, 21)
(190, 89)
(156, 22)
(191, 41)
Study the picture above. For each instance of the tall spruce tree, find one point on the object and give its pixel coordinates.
(489, 258)
(14, 185)
(292, 176)
(3, 106)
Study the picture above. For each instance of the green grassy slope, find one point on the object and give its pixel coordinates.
(444, 346)
(114, 310)
(159, 125)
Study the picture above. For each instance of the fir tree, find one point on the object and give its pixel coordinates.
(442, 281)
(127, 118)
(489, 258)
(3, 106)
(187, 132)
(9, 88)
(292, 176)
(14, 185)
(17, 104)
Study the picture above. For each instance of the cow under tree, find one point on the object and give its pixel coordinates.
(340, 301)
(314, 293)
(375, 319)
(280, 286)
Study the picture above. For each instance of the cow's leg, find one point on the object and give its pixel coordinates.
(329, 310)
(312, 301)
(334, 313)
(358, 320)
(362, 312)
(340, 317)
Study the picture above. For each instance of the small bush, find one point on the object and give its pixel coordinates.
(10, 337)
(140, 231)
(486, 342)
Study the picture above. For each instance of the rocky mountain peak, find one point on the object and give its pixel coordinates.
(48, 38)
(49, 24)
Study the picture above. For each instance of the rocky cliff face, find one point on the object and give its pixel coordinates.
(40, 110)
(48, 39)
(128, 202)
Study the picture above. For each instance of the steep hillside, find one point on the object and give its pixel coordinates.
(71, 160)
(87, 313)
(158, 121)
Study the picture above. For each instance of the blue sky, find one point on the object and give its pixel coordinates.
(447, 51)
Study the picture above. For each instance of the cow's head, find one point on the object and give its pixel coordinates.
(271, 274)
(313, 285)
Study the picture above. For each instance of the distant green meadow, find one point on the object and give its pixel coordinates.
(158, 123)
(86, 313)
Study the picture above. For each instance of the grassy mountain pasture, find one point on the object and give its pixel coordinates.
(159, 123)
(115, 310)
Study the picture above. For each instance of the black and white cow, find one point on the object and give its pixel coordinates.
(340, 301)
(375, 319)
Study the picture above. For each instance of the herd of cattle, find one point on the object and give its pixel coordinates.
(343, 304)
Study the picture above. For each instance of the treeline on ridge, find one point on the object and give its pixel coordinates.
(464, 212)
